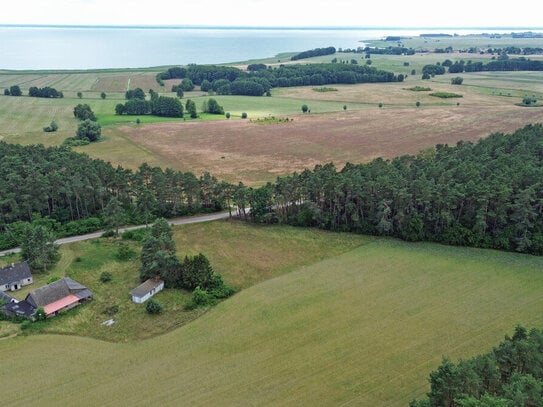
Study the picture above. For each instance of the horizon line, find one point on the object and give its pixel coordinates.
(271, 27)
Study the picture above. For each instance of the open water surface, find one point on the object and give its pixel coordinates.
(47, 47)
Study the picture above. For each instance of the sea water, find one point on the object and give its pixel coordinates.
(61, 47)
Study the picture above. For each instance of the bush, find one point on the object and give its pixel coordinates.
(244, 115)
(153, 307)
(137, 234)
(89, 129)
(200, 298)
(125, 253)
(40, 314)
(75, 142)
(106, 276)
(457, 80)
(227, 115)
(212, 106)
(111, 309)
(51, 128)
(305, 108)
(25, 324)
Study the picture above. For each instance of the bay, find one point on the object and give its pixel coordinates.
(63, 48)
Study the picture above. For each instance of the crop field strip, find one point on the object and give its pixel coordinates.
(362, 328)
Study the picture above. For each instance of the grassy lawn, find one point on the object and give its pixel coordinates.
(360, 328)
(267, 252)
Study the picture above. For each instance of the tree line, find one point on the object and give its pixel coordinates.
(136, 104)
(500, 64)
(485, 194)
(34, 91)
(317, 52)
(233, 81)
(510, 375)
(70, 192)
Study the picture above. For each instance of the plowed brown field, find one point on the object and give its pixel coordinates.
(239, 150)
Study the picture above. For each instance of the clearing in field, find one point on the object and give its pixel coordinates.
(362, 328)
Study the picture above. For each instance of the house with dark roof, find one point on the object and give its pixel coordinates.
(15, 276)
(58, 296)
(146, 290)
(6, 298)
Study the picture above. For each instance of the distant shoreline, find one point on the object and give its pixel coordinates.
(217, 27)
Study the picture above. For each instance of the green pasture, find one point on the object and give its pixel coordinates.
(363, 327)
(460, 42)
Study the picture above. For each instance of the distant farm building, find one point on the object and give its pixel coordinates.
(146, 290)
(15, 276)
(58, 296)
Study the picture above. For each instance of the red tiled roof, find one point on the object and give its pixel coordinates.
(60, 304)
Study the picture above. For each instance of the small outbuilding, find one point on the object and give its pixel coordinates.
(146, 290)
(15, 276)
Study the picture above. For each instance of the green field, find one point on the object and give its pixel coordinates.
(360, 328)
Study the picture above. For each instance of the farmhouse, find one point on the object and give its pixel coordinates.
(14, 276)
(58, 296)
(146, 290)
(5, 298)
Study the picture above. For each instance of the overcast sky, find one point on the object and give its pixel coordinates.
(381, 13)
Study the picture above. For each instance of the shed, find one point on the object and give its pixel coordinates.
(15, 276)
(146, 290)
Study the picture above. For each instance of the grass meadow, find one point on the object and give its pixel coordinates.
(360, 327)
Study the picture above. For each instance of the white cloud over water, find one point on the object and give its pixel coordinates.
(391, 13)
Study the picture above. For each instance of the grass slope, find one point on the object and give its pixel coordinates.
(362, 328)
(267, 252)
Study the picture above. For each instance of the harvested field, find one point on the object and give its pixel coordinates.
(239, 150)
(121, 82)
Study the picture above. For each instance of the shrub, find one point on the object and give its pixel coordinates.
(89, 129)
(75, 142)
(125, 253)
(137, 234)
(40, 314)
(305, 108)
(200, 298)
(212, 106)
(111, 309)
(445, 95)
(244, 115)
(108, 233)
(227, 115)
(51, 128)
(153, 307)
(106, 276)
(417, 104)
(25, 324)
(457, 80)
